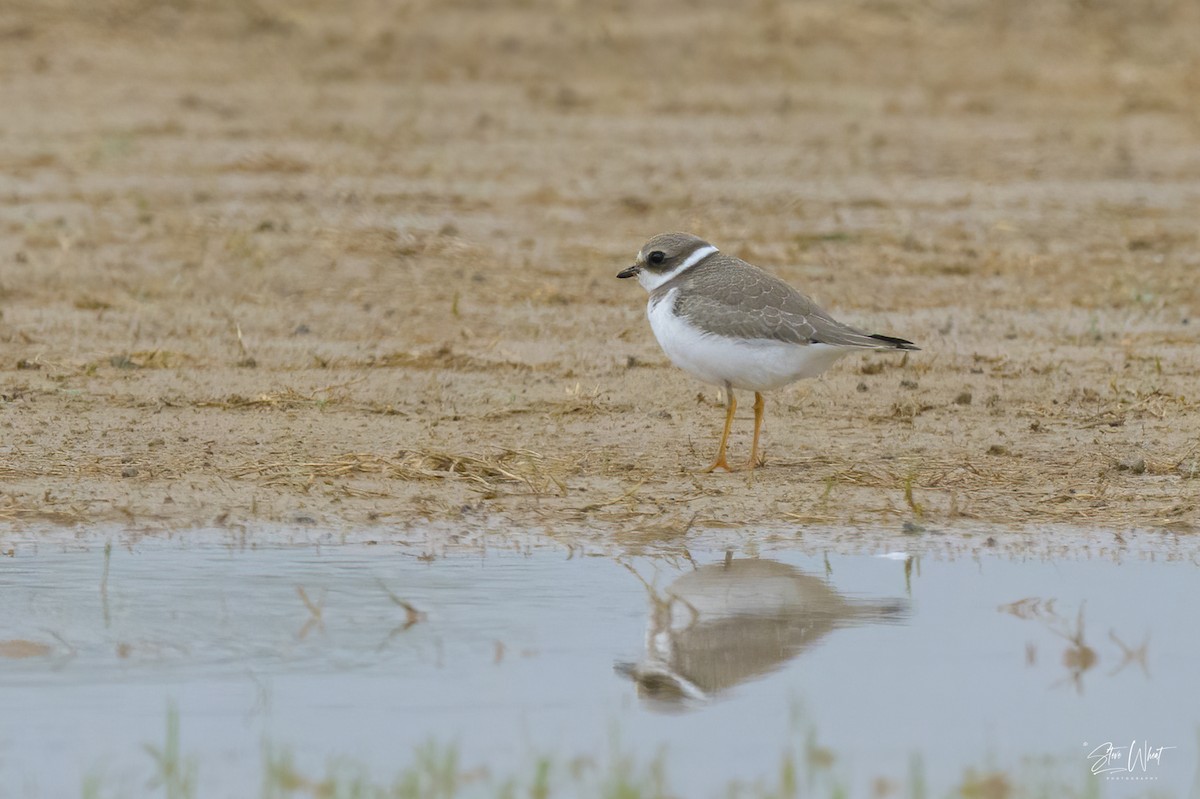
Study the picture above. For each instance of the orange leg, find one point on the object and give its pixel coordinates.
(759, 405)
(720, 462)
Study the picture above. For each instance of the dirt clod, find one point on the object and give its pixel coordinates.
(1133, 464)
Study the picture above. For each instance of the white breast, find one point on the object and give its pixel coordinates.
(749, 364)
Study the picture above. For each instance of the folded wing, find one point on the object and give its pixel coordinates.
(764, 307)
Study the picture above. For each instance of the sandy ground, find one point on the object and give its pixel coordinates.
(276, 262)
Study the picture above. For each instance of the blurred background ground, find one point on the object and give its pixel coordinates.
(354, 262)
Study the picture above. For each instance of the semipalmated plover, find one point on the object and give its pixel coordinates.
(723, 624)
(728, 322)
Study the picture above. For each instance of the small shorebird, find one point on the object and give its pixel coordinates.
(723, 624)
(728, 322)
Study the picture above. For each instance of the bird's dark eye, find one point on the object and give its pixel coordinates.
(657, 257)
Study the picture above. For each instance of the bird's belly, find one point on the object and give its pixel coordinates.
(749, 364)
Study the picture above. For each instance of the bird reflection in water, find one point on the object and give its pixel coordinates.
(726, 623)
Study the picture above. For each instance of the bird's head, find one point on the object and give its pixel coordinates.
(665, 256)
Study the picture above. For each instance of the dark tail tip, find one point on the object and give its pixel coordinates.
(897, 343)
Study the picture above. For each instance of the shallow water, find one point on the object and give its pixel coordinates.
(1014, 667)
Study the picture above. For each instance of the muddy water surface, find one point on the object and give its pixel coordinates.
(876, 667)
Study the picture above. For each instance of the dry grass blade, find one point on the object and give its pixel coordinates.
(313, 608)
(443, 357)
(411, 614)
(537, 472)
(288, 398)
(626, 495)
(10, 511)
(148, 359)
(284, 399)
(268, 162)
(316, 618)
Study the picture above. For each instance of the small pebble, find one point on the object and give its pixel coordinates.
(963, 398)
(997, 449)
(1135, 465)
(129, 471)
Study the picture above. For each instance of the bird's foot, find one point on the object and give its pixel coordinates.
(719, 463)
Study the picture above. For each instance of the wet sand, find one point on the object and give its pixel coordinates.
(267, 263)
